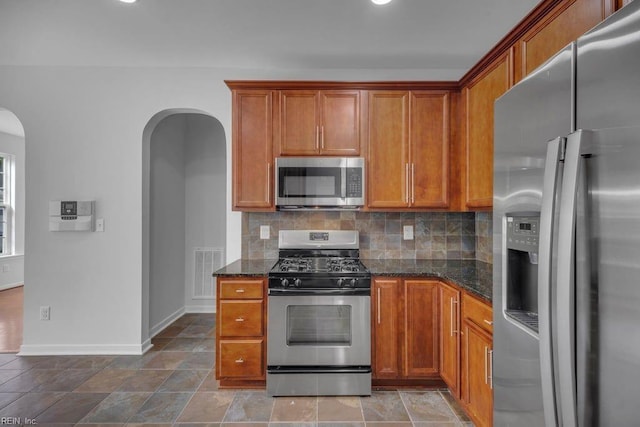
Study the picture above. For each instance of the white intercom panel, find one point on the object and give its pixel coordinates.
(71, 215)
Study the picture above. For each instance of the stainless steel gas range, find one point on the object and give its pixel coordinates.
(319, 304)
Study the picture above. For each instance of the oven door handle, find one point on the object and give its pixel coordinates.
(318, 370)
(320, 292)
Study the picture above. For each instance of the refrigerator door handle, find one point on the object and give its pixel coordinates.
(550, 188)
(565, 316)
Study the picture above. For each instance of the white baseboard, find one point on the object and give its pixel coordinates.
(146, 346)
(10, 285)
(81, 349)
(156, 329)
(200, 309)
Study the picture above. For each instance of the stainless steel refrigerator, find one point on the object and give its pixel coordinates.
(566, 236)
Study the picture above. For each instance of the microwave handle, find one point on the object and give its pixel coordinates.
(343, 182)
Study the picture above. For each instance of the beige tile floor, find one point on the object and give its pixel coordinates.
(174, 384)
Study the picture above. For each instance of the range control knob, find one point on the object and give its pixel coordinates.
(341, 283)
(297, 283)
(352, 283)
(284, 283)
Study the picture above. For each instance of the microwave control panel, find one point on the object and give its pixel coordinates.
(354, 182)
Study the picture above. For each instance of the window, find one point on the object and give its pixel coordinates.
(6, 203)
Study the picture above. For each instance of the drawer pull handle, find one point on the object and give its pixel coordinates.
(488, 322)
(241, 360)
(240, 291)
(240, 319)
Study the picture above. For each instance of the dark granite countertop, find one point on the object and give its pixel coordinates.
(472, 276)
(247, 267)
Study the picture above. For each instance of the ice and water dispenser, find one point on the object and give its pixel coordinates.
(521, 293)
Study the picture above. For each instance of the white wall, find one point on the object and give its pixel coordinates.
(12, 266)
(167, 222)
(205, 196)
(84, 140)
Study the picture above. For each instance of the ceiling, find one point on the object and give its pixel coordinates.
(442, 38)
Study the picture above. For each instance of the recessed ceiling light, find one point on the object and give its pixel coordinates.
(380, 2)
(128, 1)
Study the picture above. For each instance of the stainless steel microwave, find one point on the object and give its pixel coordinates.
(320, 182)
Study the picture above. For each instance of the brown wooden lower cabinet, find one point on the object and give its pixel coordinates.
(241, 359)
(424, 331)
(477, 354)
(405, 328)
(385, 332)
(241, 311)
(449, 301)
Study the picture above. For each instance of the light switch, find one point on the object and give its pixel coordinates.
(264, 231)
(407, 232)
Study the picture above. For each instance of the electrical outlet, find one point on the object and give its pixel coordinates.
(264, 231)
(45, 312)
(407, 232)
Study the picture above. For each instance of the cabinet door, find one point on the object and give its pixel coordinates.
(299, 117)
(429, 138)
(340, 123)
(252, 150)
(478, 142)
(388, 159)
(420, 325)
(386, 329)
(477, 388)
(449, 302)
(564, 24)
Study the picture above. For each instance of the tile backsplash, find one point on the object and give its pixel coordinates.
(484, 237)
(437, 235)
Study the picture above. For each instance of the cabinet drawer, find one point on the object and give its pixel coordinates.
(241, 289)
(478, 312)
(241, 318)
(241, 358)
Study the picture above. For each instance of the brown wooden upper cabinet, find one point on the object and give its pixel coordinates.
(325, 122)
(408, 149)
(477, 157)
(564, 24)
(252, 137)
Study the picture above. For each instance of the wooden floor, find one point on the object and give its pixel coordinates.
(11, 302)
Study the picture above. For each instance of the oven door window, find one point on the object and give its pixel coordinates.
(309, 182)
(319, 325)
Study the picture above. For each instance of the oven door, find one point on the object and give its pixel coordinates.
(319, 330)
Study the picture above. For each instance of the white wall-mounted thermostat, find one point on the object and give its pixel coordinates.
(71, 215)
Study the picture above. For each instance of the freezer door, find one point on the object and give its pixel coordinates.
(532, 113)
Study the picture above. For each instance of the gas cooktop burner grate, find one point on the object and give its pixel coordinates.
(319, 265)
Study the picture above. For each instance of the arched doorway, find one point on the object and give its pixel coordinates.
(12, 214)
(184, 215)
